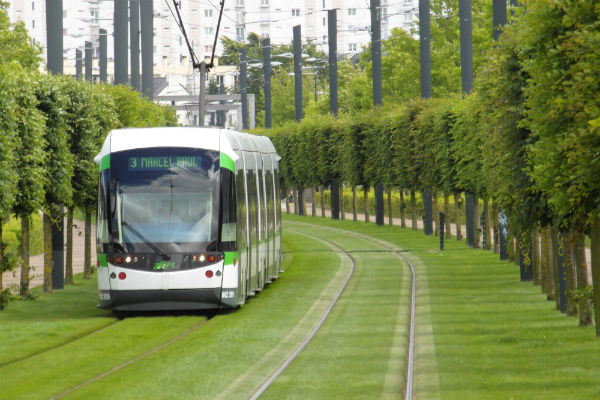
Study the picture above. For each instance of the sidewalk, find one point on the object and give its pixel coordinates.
(11, 279)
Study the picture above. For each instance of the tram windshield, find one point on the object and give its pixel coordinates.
(163, 198)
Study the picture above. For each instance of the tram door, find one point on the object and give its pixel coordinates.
(253, 220)
(243, 233)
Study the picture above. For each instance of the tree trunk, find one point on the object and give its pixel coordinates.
(413, 206)
(552, 292)
(322, 202)
(25, 270)
(342, 205)
(366, 202)
(402, 209)
(436, 213)
(302, 199)
(296, 201)
(570, 276)
(555, 270)
(477, 244)
(354, 205)
(313, 194)
(47, 253)
(87, 254)
(390, 214)
(457, 221)
(535, 257)
(595, 247)
(287, 200)
(496, 228)
(544, 261)
(447, 219)
(69, 266)
(486, 221)
(583, 281)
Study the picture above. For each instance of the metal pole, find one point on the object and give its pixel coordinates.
(88, 61)
(147, 25)
(54, 38)
(78, 64)
(134, 39)
(121, 16)
(425, 58)
(466, 68)
(298, 71)
(201, 95)
(102, 60)
(376, 52)
(244, 88)
(267, 75)
(333, 81)
(499, 17)
(221, 114)
(54, 35)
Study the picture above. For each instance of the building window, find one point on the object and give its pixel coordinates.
(323, 4)
(352, 47)
(239, 33)
(208, 13)
(208, 30)
(352, 11)
(64, 14)
(324, 21)
(33, 24)
(264, 3)
(208, 49)
(295, 12)
(239, 3)
(33, 5)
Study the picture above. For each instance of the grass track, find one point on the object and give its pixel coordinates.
(481, 334)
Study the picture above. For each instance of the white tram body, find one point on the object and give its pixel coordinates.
(188, 218)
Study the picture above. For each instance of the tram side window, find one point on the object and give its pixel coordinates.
(263, 208)
(270, 201)
(253, 208)
(227, 209)
(278, 206)
(241, 210)
(102, 226)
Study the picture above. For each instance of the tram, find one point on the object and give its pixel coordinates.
(188, 218)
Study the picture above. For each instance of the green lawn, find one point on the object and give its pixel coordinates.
(481, 334)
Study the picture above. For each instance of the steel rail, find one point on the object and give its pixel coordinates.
(314, 331)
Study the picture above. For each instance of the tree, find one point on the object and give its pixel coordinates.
(30, 163)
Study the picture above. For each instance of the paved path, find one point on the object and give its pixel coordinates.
(11, 279)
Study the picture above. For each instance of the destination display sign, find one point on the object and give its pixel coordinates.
(163, 163)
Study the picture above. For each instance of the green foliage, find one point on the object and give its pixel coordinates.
(31, 159)
(59, 167)
(8, 138)
(16, 45)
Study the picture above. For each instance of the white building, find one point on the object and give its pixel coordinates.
(82, 20)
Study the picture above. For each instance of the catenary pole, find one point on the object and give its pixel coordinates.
(298, 72)
(244, 87)
(266, 45)
(102, 64)
(425, 62)
(88, 61)
(121, 41)
(466, 68)
(54, 38)
(134, 43)
(147, 33)
(377, 91)
(333, 100)
(78, 64)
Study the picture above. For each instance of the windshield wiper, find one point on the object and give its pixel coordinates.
(157, 250)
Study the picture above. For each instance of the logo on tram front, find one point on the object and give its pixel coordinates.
(164, 265)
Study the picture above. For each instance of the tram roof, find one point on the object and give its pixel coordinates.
(222, 140)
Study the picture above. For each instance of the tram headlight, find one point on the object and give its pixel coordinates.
(201, 258)
(128, 259)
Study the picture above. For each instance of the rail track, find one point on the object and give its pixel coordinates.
(387, 248)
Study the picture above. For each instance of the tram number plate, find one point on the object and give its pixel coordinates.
(228, 294)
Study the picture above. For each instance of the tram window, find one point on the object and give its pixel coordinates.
(278, 206)
(102, 226)
(270, 201)
(241, 209)
(227, 205)
(263, 211)
(253, 207)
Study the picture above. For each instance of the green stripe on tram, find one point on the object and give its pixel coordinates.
(102, 261)
(230, 256)
(227, 162)
(104, 163)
